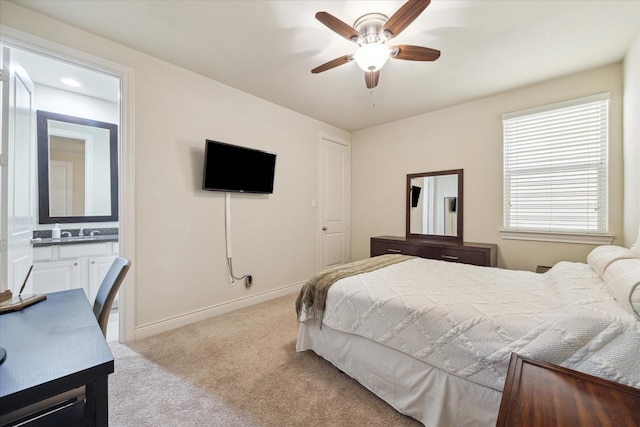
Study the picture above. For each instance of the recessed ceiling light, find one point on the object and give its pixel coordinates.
(70, 82)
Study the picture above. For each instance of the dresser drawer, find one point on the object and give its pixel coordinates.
(464, 256)
(386, 247)
(483, 254)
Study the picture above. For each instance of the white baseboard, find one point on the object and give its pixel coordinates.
(154, 328)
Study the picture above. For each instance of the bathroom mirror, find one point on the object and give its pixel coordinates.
(434, 205)
(77, 169)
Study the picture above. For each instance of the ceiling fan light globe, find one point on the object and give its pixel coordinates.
(371, 57)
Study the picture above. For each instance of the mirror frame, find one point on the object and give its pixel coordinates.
(43, 118)
(460, 205)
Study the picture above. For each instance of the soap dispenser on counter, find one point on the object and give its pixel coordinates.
(55, 232)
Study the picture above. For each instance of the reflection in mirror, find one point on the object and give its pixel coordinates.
(77, 169)
(434, 205)
(450, 216)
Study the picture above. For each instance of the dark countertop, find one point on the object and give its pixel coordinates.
(43, 237)
(47, 241)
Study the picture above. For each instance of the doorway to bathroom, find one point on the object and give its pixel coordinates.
(71, 90)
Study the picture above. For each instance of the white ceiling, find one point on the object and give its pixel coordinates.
(267, 48)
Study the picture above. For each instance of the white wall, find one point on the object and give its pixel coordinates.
(632, 142)
(469, 137)
(180, 261)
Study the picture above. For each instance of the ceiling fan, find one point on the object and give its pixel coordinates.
(371, 32)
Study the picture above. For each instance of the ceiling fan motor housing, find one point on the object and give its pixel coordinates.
(370, 28)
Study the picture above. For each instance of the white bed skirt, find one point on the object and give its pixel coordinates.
(412, 387)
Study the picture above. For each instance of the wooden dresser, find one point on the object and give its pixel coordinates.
(541, 394)
(483, 254)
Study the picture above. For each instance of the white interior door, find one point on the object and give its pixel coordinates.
(61, 188)
(334, 183)
(18, 128)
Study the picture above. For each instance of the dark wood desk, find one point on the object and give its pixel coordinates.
(541, 394)
(54, 346)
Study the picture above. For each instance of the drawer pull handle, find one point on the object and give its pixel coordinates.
(452, 258)
(395, 251)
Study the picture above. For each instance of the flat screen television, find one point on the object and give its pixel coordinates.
(232, 168)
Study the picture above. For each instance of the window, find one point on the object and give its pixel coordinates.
(555, 168)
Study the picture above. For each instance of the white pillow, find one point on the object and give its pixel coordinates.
(622, 277)
(602, 256)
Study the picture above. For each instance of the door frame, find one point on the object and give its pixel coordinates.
(19, 40)
(319, 218)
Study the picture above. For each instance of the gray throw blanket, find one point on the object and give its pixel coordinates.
(313, 294)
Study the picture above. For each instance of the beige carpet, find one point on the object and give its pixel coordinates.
(239, 369)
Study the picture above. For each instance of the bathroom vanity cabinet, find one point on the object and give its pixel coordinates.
(79, 265)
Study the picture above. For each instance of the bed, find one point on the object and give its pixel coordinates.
(434, 339)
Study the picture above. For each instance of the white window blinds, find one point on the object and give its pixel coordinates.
(555, 167)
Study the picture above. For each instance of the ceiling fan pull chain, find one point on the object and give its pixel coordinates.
(373, 99)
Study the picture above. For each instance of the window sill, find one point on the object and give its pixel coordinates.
(586, 239)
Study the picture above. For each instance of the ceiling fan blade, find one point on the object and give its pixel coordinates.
(371, 78)
(414, 53)
(338, 26)
(332, 64)
(404, 16)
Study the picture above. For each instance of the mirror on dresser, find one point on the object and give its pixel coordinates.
(77, 169)
(435, 205)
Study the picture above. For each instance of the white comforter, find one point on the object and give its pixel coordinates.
(467, 320)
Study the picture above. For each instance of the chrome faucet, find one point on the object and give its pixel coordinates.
(65, 234)
(94, 232)
(81, 232)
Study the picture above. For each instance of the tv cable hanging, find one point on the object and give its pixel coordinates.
(248, 279)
